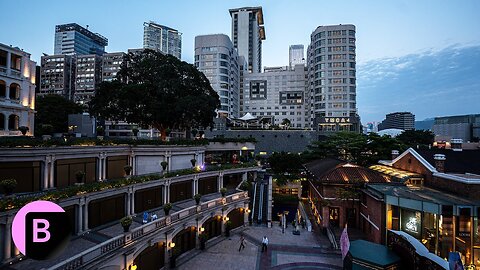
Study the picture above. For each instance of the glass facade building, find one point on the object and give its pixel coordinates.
(74, 39)
(162, 38)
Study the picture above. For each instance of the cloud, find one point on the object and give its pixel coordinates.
(428, 83)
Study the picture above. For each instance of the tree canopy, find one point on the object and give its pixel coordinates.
(285, 162)
(413, 138)
(52, 114)
(354, 147)
(157, 90)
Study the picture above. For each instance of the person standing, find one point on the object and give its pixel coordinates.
(264, 243)
(242, 243)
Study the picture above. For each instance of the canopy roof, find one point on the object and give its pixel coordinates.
(247, 117)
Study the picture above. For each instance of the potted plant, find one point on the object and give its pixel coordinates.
(245, 186)
(100, 132)
(126, 222)
(228, 225)
(135, 131)
(203, 240)
(223, 191)
(197, 198)
(8, 185)
(24, 130)
(167, 207)
(193, 161)
(164, 165)
(80, 176)
(127, 169)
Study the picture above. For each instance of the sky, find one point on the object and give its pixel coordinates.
(387, 32)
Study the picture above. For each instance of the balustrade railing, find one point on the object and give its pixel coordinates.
(138, 233)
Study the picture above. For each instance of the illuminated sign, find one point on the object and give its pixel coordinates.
(336, 120)
(412, 225)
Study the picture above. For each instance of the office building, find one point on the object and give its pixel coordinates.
(277, 94)
(74, 39)
(111, 65)
(57, 75)
(162, 38)
(465, 127)
(332, 78)
(248, 33)
(398, 120)
(87, 76)
(17, 91)
(296, 55)
(216, 57)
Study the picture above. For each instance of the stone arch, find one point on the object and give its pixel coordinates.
(236, 217)
(13, 122)
(206, 217)
(3, 89)
(178, 228)
(185, 240)
(150, 256)
(14, 91)
(212, 226)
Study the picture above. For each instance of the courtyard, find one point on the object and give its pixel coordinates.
(309, 250)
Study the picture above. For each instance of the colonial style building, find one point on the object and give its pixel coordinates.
(17, 91)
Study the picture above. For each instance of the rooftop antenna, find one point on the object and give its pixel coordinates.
(87, 26)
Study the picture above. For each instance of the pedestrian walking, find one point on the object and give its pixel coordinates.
(242, 243)
(264, 243)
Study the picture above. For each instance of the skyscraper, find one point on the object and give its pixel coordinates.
(87, 77)
(216, 57)
(74, 39)
(247, 35)
(162, 38)
(57, 75)
(295, 55)
(332, 78)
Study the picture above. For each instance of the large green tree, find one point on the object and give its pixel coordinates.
(157, 90)
(354, 147)
(414, 138)
(52, 114)
(285, 162)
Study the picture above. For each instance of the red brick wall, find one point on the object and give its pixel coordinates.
(457, 188)
(410, 163)
(376, 211)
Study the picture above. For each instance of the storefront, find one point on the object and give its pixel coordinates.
(441, 222)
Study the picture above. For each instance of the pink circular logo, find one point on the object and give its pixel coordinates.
(40, 229)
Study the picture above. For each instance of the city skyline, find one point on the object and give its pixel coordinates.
(420, 33)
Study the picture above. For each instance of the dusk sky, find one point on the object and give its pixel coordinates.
(397, 41)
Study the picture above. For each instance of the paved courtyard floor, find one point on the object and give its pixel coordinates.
(308, 250)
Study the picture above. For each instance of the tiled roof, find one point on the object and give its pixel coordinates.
(336, 171)
(466, 161)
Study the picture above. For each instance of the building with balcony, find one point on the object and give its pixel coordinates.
(73, 39)
(332, 78)
(216, 57)
(248, 32)
(96, 212)
(162, 38)
(57, 75)
(17, 91)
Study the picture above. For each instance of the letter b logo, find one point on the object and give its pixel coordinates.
(41, 230)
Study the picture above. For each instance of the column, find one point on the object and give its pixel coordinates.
(99, 168)
(132, 208)
(220, 181)
(79, 213)
(195, 185)
(8, 240)
(5, 114)
(128, 202)
(132, 163)
(168, 251)
(9, 64)
(104, 166)
(168, 193)
(85, 216)
(52, 170)
(45, 175)
(164, 197)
